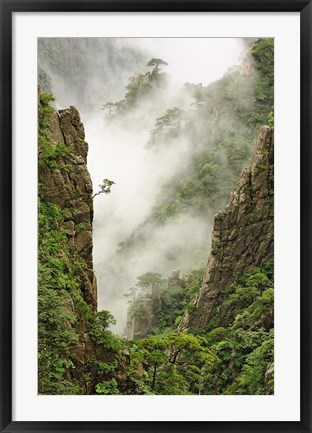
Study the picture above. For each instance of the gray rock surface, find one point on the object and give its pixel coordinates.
(69, 186)
(243, 232)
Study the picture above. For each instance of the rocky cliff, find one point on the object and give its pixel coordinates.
(242, 236)
(66, 240)
(139, 325)
(145, 313)
(67, 183)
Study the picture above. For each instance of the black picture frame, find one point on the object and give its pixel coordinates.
(7, 9)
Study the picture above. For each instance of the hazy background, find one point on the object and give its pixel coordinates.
(117, 150)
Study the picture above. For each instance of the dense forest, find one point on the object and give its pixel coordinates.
(184, 327)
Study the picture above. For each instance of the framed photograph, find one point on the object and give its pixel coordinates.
(155, 216)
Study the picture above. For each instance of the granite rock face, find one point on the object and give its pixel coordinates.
(65, 181)
(68, 184)
(243, 232)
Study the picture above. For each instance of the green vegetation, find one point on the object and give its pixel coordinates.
(175, 363)
(48, 151)
(222, 124)
(230, 356)
(100, 333)
(139, 87)
(164, 300)
(263, 55)
(73, 60)
(167, 126)
(105, 187)
(56, 319)
(233, 352)
(56, 330)
(241, 334)
(44, 80)
(63, 312)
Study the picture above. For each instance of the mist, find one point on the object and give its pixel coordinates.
(118, 151)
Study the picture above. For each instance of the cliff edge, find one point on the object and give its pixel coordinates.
(243, 232)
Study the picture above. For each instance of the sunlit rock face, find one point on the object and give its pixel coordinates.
(243, 232)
